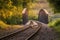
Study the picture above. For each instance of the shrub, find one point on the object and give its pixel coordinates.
(16, 19)
(3, 25)
(55, 24)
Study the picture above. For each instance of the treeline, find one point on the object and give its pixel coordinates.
(11, 10)
(10, 3)
(55, 4)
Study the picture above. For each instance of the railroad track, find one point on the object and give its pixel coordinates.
(35, 31)
(25, 34)
(44, 33)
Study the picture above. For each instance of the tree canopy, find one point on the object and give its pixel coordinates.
(55, 4)
(11, 10)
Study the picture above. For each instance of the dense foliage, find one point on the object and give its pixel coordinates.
(11, 10)
(55, 24)
(55, 4)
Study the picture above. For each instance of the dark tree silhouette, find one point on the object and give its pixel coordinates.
(55, 4)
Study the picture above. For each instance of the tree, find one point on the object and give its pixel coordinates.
(55, 4)
(5, 4)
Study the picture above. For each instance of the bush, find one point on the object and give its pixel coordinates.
(12, 16)
(16, 19)
(55, 24)
(3, 25)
